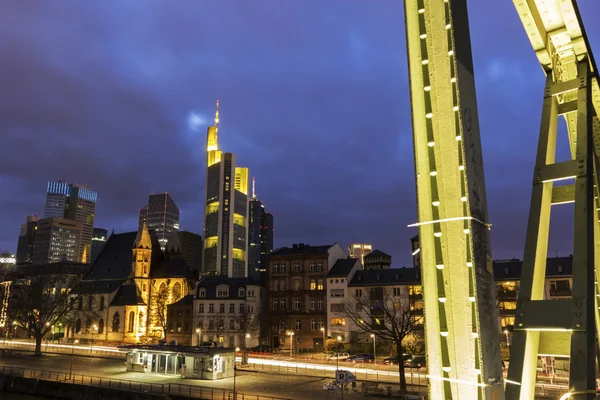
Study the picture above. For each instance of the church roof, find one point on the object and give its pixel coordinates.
(128, 295)
(174, 244)
(171, 267)
(377, 253)
(98, 287)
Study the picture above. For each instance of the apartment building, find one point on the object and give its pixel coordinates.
(297, 278)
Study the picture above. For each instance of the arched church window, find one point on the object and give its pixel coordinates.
(101, 326)
(78, 325)
(116, 322)
(176, 291)
(131, 321)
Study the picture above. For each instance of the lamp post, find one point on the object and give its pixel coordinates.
(198, 330)
(322, 329)
(72, 350)
(15, 326)
(94, 330)
(374, 349)
(291, 335)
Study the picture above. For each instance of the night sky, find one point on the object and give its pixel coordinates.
(314, 100)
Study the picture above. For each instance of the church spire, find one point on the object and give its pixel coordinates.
(142, 240)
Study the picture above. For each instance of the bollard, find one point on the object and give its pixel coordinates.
(389, 391)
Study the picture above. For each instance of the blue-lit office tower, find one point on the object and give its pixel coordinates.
(162, 216)
(77, 203)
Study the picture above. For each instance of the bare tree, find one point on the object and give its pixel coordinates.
(162, 301)
(387, 316)
(36, 303)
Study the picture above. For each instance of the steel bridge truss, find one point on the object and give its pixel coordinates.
(564, 327)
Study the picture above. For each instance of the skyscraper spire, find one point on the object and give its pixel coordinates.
(217, 116)
(253, 187)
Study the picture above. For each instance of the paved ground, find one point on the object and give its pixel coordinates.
(286, 386)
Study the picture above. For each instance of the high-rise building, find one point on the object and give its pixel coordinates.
(77, 203)
(189, 246)
(359, 250)
(260, 238)
(162, 216)
(58, 239)
(225, 212)
(99, 237)
(27, 240)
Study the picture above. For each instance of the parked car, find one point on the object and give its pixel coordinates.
(208, 344)
(415, 362)
(261, 348)
(393, 360)
(338, 356)
(362, 357)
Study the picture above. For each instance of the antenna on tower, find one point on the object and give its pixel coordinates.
(217, 116)
(253, 187)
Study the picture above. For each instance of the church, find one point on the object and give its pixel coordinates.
(124, 296)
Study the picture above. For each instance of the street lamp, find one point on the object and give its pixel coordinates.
(198, 330)
(374, 349)
(247, 337)
(72, 350)
(291, 335)
(47, 325)
(322, 329)
(15, 326)
(94, 330)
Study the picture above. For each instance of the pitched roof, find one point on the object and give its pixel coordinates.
(128, 295)
(386, 277)
(377, 253)
(186, 300)
(103, 286)
(508, 270)
(342, 267)
(210, 283)
(301, 249)
(171, 267)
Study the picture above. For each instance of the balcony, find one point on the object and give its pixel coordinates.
(560, 292)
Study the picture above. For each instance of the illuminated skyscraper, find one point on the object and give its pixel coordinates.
(77, 203)
(359, 250)
(225, 211)
(27, 240)
(161, 215)
(58, 239)
(260, 238)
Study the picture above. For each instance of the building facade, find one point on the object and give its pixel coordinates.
(260, 240)
(161, 215)
(226, 211)
(77, 203)
(297, 294)
(125, 295)
(58, 239)
(228, 311)
(377, 259)
(359, 251)
(26, 241)
(99, 237)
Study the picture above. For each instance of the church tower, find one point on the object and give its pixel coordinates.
(142, 254)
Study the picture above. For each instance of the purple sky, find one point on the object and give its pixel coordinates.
(314, 100)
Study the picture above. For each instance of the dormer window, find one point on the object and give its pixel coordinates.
(559, 269)
(506, 271)
(241, 293)
(223, 292)
(201, 292)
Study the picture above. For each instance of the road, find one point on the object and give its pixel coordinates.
(249, 382)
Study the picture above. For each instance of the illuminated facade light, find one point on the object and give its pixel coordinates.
(458, 138)
(421, 10)
(427, 88)
(448, 26)
(453, 80)
(446, 369)
(461, 167)
(472, 299)
(429, 115)
(425, 62)
(444, 333)
(440, 266)
(431, 144)
(437, 234)
(455, 108)
(433, 173)
(436, 203)
(442, 299)
(423, 35)
(469, 264)
(466, 231)
(464, 198)
(451, 52)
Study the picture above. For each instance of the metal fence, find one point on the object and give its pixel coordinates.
(193, 391)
